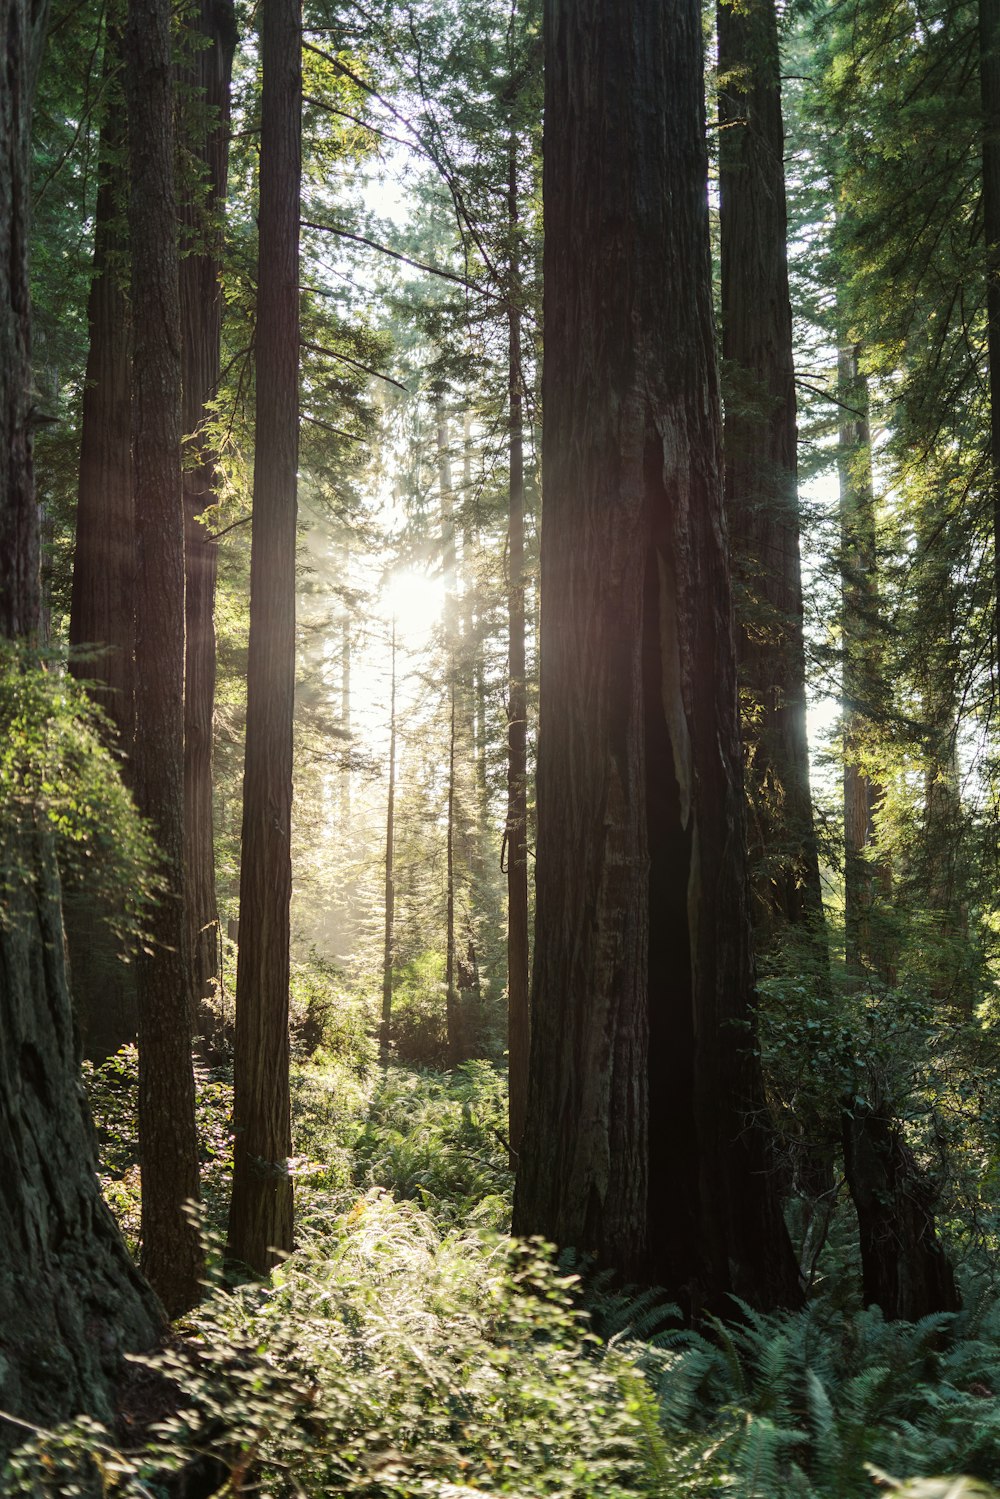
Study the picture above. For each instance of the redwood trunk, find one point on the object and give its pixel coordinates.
(260, 1217)
(645, 1137)
(859, 604)
(168, 1143)
(516, 833)
(71, 1301)
(989, 78)
(207, 75)
(761, 468)
(103, 598)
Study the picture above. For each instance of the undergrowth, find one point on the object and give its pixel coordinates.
(408, 1348)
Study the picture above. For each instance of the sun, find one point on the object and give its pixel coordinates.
(414, 600)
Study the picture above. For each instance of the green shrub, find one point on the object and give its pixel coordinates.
(419, 1028)
(439, 1138)
(388, 1359)
(56, 769)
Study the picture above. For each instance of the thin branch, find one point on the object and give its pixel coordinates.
(365, 369)
(327, 427)
(215, 535)
(357, 120)
(418, 265)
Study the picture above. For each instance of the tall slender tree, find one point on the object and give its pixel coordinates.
(260, 1215)
(516, 831)
(645, 1138)
(168, 1142)
(762, 505)
(209, 47)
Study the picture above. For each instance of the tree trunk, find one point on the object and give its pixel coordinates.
(168, 1141)
(71, 1301)
(206, 74)
(388, 954)
(645, 1138)
(457, 1019)
(905, 1271)
(761, 470)
(859, 607)
(989, 80)
(260, 1216)
(516, 831)
(103, 599)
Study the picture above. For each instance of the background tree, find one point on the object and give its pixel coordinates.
(210, 42)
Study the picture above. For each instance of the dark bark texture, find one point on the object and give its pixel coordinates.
(102, 603)
(207, 75)
(168, 1144)
(761, 469)
(989, 79)
(103, 599)
(20, 598)
(645, 1137)
(905, 1270)
(864, 954)
(516, 832)
(260, 1217)
(71, 1301)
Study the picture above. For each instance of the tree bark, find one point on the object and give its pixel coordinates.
(989, 80)
(207, 74)
(905, 1271)
(388, 951)
(760, 443)
(516, 831)
(458, 1048)
(102, 605)
(168, 1143)
(260, 1216)
(71, 1301)
(645, 1139)
(859, 606)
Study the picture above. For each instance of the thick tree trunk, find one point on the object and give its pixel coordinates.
(103, 598)
(101, 609)
(516, 831)
(761, 469)
(168, 1142)
(260, 1216)
(207, 74)
(645, 1139)
(71, 1301)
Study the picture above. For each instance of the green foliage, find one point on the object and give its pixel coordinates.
(56, 769)
(821, 1395)
(389, 1359)
(419, 1028)
(439, 1139)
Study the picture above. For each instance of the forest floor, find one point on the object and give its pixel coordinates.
(409, 1348)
